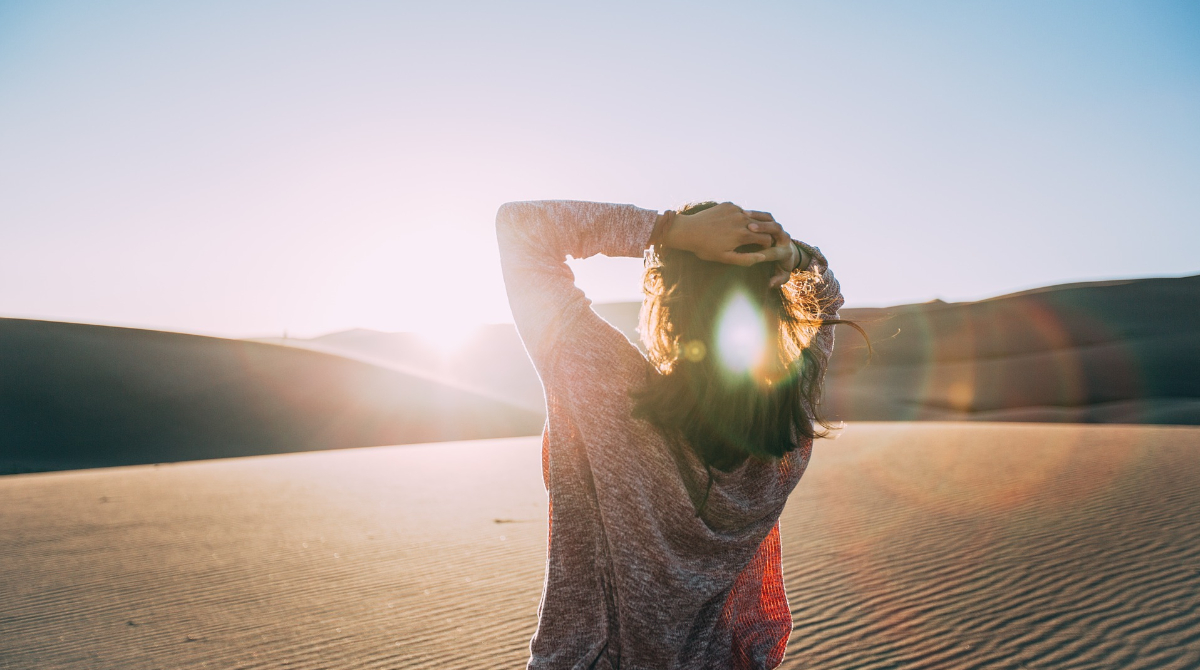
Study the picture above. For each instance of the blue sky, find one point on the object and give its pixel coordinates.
(241, 169)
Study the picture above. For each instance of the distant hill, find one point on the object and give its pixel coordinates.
(1124, 351)
(1103, 352)
(76, 396)
(491, 362)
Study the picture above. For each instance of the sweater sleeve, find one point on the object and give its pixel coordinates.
(535, 239)
(828, 293)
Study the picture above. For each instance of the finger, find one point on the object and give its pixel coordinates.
(743, 259)
(780, 279)
(782, 239)
(762, 239)
(778, 254)
(759, 216)
(779, 236)
(768, 227)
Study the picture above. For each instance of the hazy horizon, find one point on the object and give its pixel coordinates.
(244, 171)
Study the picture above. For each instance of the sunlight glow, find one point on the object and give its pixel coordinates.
(446, 337)
(741, 335)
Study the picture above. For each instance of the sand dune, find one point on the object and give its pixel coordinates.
(74, 396)
(491, 361)
(1119, 352)
(914, 545)
(1100, 352)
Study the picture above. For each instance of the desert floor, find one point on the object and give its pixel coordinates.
(906, 545)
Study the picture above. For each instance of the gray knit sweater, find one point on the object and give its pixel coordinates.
(634, 579)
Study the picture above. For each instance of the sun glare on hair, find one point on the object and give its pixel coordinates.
(741, 335)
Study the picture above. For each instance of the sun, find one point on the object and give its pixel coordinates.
(446, 336)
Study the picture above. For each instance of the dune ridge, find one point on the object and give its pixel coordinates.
(78, 396)
(916, 545)
(1121, 351)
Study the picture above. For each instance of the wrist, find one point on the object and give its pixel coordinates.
(803, 259)
(672, 230)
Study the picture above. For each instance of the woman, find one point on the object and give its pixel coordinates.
(667, 475)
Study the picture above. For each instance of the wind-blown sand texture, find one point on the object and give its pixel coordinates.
(914, 545)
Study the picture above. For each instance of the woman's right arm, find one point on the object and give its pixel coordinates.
(535, 239)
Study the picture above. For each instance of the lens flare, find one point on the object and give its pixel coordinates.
(741, 335)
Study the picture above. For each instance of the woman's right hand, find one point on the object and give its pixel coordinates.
(715, 233)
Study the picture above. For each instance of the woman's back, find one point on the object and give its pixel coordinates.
(635, 578)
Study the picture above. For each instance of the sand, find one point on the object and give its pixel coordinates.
(906, 545)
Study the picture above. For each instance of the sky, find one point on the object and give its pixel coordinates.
(247, 169)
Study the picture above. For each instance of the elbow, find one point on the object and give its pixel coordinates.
(506, 222)
(516, 223)
(505, 216)
(511, 221)
(512, 214)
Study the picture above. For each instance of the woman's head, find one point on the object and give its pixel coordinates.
(735, 373)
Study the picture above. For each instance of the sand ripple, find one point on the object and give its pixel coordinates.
(906, 546)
